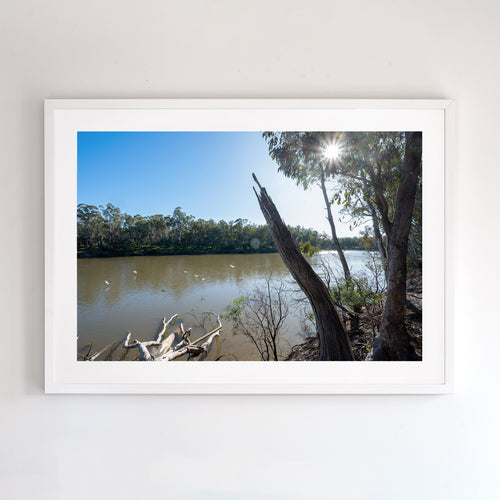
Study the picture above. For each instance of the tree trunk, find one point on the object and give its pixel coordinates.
(415, 251)
(336, 242)
(333, 340)
(393, 342)
(378, 235)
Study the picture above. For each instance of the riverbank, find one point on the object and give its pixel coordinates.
(154, 251)
(361, 339)
(151, 250)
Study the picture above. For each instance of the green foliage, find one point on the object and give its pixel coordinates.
(359, 295)
(299, 155)
(308, 249)
(357, 243)
(347, 294)
(368, 241)
(234, 312)
(363, 179)
(106, 231)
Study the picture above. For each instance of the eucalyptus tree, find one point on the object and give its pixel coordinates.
(393, 342)
(158, 225)
(369, 171)
(385, 168)
(238, 231)
(90, 226)
(334, 343)
(309, 158)
(379, 175)
(359, 208)
(415, 236)
(138, 229)
(181, 223)
(114, 220)
(369, 174)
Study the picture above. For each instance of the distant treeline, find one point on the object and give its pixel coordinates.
(106, 232)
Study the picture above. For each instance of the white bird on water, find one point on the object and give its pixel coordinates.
(107, 282)
(134, 272)
(230, 265)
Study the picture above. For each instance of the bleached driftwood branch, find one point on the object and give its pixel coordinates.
(165, 325)
(90, 356)
(144, 353)
(191, 348)
(162, 350)
(206, 345)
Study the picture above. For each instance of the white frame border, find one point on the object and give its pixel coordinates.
(56, 380)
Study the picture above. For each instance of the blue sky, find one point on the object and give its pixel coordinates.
(208, 174)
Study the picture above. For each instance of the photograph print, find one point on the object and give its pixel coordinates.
(249, 246)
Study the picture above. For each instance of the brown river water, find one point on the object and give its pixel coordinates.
(184, 284)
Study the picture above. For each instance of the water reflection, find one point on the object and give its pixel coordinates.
(185, 284)
(176, 275)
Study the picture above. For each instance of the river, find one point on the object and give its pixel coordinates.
(183, 284)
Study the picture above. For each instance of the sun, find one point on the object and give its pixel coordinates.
(332, 152)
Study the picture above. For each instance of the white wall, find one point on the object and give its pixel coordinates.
(345, 447)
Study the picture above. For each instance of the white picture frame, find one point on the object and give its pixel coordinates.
(64, 374)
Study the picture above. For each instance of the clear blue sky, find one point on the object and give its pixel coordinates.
(208, 174)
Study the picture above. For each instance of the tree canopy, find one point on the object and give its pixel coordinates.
(377, 176)
(307, 158)
(106, 230)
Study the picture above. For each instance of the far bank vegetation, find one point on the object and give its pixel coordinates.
(106, 231)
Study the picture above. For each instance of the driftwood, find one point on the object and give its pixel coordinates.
(143, 347)
(164, 347)
(334, 343)
(90, 356)
(185, 346)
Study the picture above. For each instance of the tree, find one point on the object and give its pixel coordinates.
(181, 222)
(393, 342)
(368, 175)
(334, 343)
(261, 318)
(300, 156)
(376, 171)
(114, 221)
(381, 170)
(108, 231)
(90, 226)
(159, 227)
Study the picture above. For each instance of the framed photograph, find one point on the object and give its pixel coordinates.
(247, 246)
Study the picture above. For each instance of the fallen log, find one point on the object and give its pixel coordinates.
(191, 348)
(206, 345)
(145, 355)
(143, 347)
(164, 349)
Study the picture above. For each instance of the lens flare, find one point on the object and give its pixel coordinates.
(332, 151)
